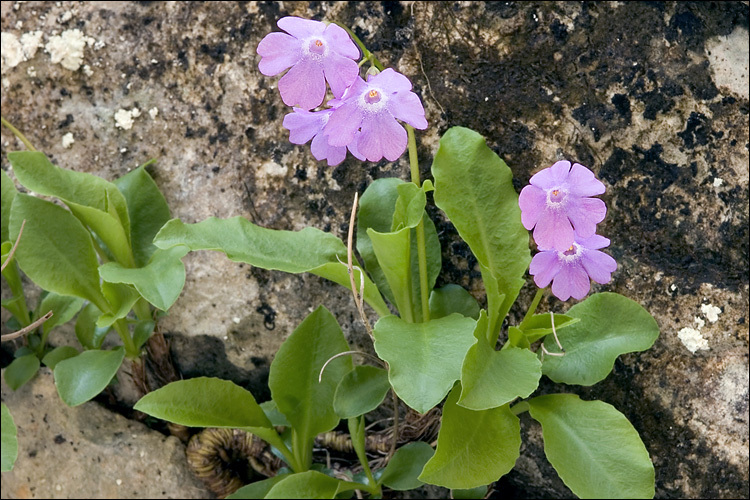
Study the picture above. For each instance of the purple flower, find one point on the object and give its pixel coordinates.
(557, 200)
(316, 53)
(570, 270)
(372, 108)
(304, 125)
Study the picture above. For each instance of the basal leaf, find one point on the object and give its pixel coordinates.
(308, 250)
(256, 489)
(58, 354)
(610, 325)
(204, 402)
(21, 370)
(474, 448)
(9, 192)
(122, 299)
(82, 377)
(63, 308)
(159, 282)
(593, 447)
(539, 325)
(88, 334)
(406, 465)
(360, 391)
(424, 358)
(9, 439)
(451, 299)
(310, 484)
(475, 190)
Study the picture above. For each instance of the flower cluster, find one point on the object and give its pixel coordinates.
(362, 116)
(558, 205)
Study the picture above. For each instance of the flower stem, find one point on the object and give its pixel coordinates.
(18, 134)
(421, 252)
(534, 303)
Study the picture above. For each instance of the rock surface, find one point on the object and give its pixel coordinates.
(651, 95)
(89, 452)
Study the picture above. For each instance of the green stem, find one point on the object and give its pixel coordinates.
(19, 308)
(121, 327)
(534, 303)
(366, 54)
(18, 134)
(141, 309)
(520, 407)
(357, 424)
(421, 252)
(275, 440)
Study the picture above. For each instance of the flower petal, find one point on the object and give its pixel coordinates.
(585, 214)
(303, 85)
(532, 201)
(553, 231)
(571, 281)
(301, 28)
(382, 136)
(551, 177)
(544, 267)
(352, 146)
(594, 242)
(340, 41)
(407, 107)
(390, 81)
(340, 72)
(343, 124)
(598, 265)
(278, 52)
(582, 182)
(303, 125)
(321, 150)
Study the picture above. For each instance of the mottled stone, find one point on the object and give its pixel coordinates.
(649, 95)
(89, 452)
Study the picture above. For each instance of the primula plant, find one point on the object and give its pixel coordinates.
(436, 347)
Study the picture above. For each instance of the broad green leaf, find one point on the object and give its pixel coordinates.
(479, 492)
(474, 448)
(409, 208)
(539, 325)
(451, 299)
(406, 465)
(63, 308)
(58, 354)
(122, 298)
(424, 358)
(491, 378)
(142, 331)
(9, 192)
(95, 201)
(147, 209)
(16, 304)
(21, 370)
(516, 338)
(376, 207)
(360, 391)
(308, 250)
(56, 251)
(593, 447)
(609, 325)
(159, 282)
(475, 190)
(293, 378)
(88, 334)
(9, 439)
(274, 415)
(257, 489)
(204, 402)
(81, 378)
(310, 484)
(398, 259)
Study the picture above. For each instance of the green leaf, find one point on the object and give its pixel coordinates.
(142, 331)
(451, 299)
(293, 378)
(474, 448)
(9, 439)
(95, 201)
(56, 251)
(310, 484)
(491, 378)
(274, 415)
(58, 354)
(593, 447)
(88, 334)
(204, 402)
(122, 298)
(308, 250)
(147, 209)
(159, 282)
(406, 465)
(63, 308)
(468, 494)
(539, 325)
(475, 190)
(409, 208)
(609, 325)
(516, 338)
(360, 391)
(21, 370)
(9, 192)
(81, 378)
(256, 490)
(425, 358)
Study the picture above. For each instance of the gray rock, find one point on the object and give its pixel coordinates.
(651, 96)
(89, 452)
